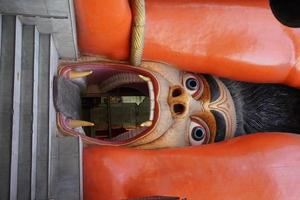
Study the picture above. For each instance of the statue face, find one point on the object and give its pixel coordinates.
(184, 108)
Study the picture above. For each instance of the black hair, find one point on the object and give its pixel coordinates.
(286, 12)
(265, 107)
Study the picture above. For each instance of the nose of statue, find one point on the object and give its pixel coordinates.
(178, 100)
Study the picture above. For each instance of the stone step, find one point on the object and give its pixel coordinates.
(15, 135)
(42, 137)
(35, 163)
(26, 112)
(6, 100)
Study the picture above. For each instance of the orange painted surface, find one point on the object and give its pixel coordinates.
(103, 27)
(230, 38)
(258, 166)
(233, 38)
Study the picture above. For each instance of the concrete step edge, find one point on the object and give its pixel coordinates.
(16, 111)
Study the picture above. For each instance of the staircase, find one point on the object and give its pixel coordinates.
(35, 163)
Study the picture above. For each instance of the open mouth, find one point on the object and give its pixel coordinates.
(107, 104)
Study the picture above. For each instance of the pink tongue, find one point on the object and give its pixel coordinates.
(129, 134)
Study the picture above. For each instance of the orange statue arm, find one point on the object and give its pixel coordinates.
(236, 39)
(103, 27)
(259, 166)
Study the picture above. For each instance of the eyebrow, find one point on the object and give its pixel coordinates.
(214, 87)
(221, 126)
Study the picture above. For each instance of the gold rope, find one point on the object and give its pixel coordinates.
(137, 35)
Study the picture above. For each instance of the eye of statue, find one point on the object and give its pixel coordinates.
(198, 132)
(193, 84)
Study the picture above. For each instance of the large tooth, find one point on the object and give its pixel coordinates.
(146, 123)
(73, 123)
(144, 78)
(79, 74)
(152, 101)
(151, 115)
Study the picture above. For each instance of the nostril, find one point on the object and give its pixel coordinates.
(178, 108)
(177, 92)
